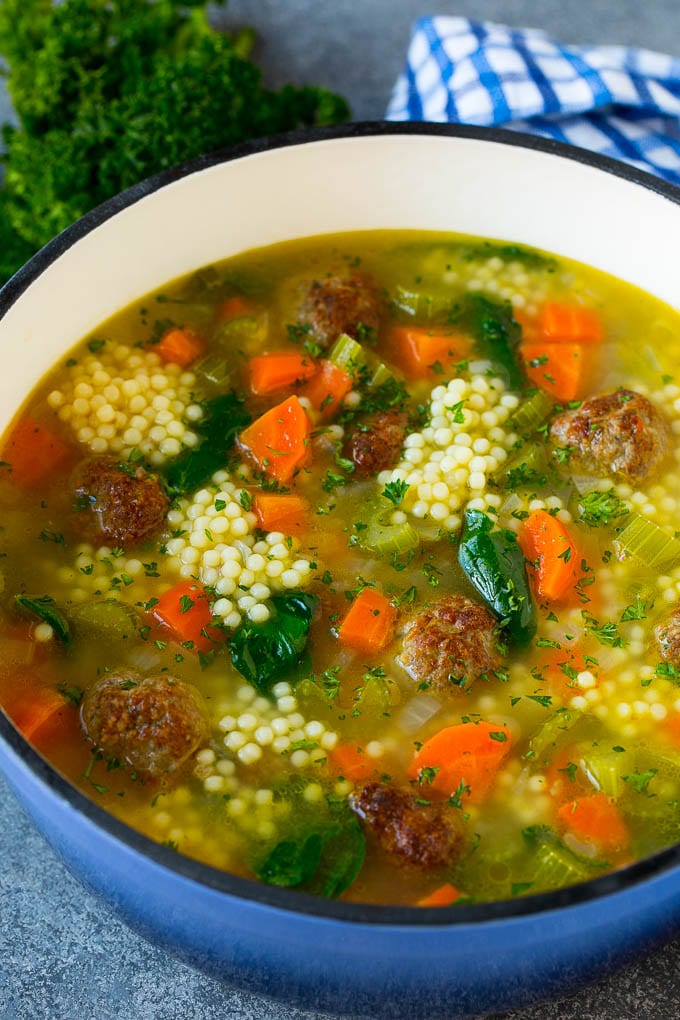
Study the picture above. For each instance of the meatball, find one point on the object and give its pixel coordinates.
(153, 724)
(451, 644)
(128, 504)
(667, 635)
(374, 444)
(620, 434)
(420, 835)
(340, 304)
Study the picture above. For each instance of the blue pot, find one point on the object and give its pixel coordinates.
(340, 957)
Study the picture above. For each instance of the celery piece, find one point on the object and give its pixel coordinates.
(531, 413)
(550, 734)
(645, 540)
(554, 864)
(348, 354)
(381, 374)
(420, 305)
(214, 368)
(381, 536)
(606, 768)
(104, 618)
(525, 468)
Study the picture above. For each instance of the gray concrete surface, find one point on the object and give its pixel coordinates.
(62, 955)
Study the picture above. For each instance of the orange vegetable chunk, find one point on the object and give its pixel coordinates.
(278, 441)
(277, 512)
(558, 321)
(277, 370)
(235, 307)
(595, 819)
(185, 610)
(444, 896)
(468, 754)
(562, 370)
(369, 624)
(553, 559)
(34, 453)
(180, 346)
(350, 762)
(327, 389)
(420, 351)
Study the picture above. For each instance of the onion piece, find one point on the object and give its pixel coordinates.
(416, 712)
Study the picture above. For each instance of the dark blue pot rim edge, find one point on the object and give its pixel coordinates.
(289, 900)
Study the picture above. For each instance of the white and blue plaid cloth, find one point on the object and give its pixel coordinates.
(617, 101)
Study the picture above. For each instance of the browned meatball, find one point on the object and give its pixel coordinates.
(340, 304)
(620, 434)
(128, 504)
(421, 835)
(451, 644)
(667, 635)
(374, 443)
(153, 724)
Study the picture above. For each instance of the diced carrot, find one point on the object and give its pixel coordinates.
(185, 610)
(276, 512)
(278, 441)
(42, 714)
(671, 729)
(560, 667)
(34, 454)
(327, 389)
(562, 370)
(180, 346)
(278, 369)
(444, 896)
(235, 307)
(369, 624)
(553, 559)
(595, 819)
(351, 762)
(423, 352)
(558, 322)
(464, 758)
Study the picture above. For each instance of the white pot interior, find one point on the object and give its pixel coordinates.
(426, 181)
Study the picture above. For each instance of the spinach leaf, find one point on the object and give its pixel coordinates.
(324, 859)
(224, 418)
(264, 652)
(494, 563)
(43, 607)
(493, 326)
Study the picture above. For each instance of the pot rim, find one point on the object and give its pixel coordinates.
(289, 900)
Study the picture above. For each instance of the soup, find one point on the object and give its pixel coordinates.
(350, 565)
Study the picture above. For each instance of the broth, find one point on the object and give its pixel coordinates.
(350, 564)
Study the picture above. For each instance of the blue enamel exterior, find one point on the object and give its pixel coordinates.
(343, 958)
(355, 967)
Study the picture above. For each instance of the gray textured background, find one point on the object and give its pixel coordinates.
(64, 957)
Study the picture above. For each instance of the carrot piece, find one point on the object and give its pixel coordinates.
(444, 896)
(465, 757)
(553, 559)
(560, 666)
(562, 370)
(185, 610)
(421, 352)
(350, 762)
(368, 625)
(276, 512)
(34, 454)
(278, 369)
(278, 441)
(595, 819)
(671, 729)
(574, 323)
(234, 308)
(30, 709)
(327, 389)
(180, 346)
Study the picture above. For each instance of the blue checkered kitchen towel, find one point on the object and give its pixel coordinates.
(620, 102)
